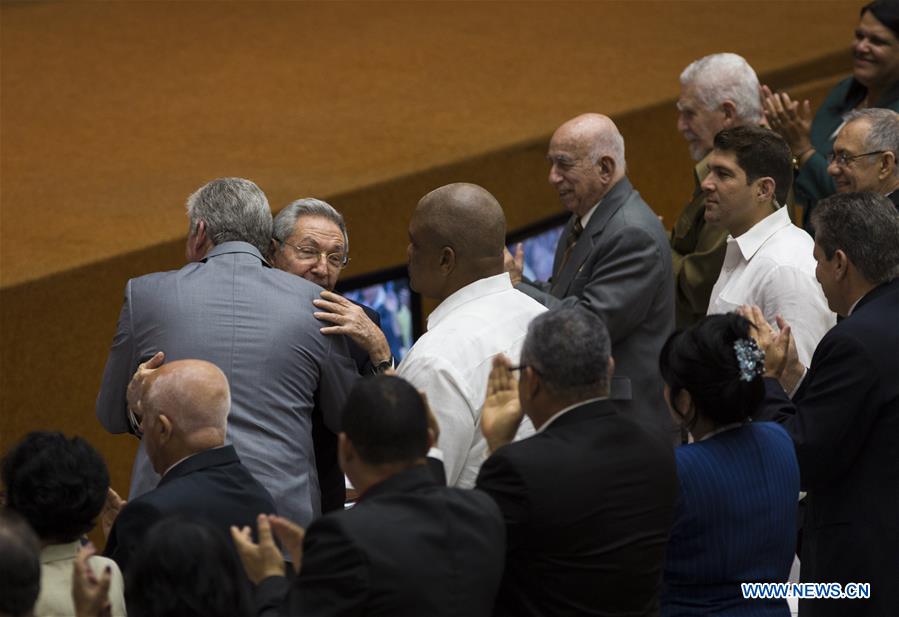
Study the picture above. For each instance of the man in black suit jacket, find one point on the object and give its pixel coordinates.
(589, 499)
(409, 547)
(183, 408)
(310, 240)
(844, 418)
(613, 259)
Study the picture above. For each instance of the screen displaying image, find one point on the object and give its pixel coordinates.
(539, 251)
(393, 301)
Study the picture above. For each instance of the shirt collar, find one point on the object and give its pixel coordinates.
(562, 412)
(751, 241)
(478, 289)
(60, 552)
(586, 218)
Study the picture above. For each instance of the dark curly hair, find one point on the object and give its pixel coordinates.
(58, 484)
(702, 361)
(185, 568)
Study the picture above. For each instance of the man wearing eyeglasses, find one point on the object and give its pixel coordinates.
(309, 239)
(864, 154)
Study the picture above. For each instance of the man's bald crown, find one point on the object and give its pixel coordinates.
(465, 217)
(193, 394)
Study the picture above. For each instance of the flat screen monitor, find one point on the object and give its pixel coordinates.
(399, 308)
(540, 240)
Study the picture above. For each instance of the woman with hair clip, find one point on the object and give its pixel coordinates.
(735, 520)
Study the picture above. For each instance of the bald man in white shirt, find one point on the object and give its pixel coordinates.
(456, 240)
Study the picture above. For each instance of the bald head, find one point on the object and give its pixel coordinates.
(587, 158)
(466, 217)
(458, 231)
(193, 394)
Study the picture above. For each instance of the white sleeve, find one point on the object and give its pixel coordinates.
(449, 400)
(798, 298)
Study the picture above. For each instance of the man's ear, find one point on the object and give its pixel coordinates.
(447, 260)
(840, 264)
(607, 168)
(530, 382)
(730, 113)
(197, 242)
(765, 189)
(163, 426)
(887, 165)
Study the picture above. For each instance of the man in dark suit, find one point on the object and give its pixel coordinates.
(613, 259)
(183, 409)
(844, 418)
(589, 499)
(309, 239)
(229, 307)
(409, 547)
(864, 153)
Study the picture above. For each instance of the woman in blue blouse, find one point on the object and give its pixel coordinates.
(735, 520)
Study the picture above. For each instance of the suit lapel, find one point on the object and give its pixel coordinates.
(608, 206)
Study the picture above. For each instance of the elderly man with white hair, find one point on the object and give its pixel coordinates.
(183, 410)
(864, 154)
(612, 259)
(717, 92)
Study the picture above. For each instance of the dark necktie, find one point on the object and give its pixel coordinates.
(576, 230)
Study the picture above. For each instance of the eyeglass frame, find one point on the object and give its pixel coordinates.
(843, 161)
(318, 255)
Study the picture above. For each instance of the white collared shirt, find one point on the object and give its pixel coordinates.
(452, 360)
(586, 218)
(771, 265)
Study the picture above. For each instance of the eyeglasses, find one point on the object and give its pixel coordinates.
(843, 160)
(521, 367)
(307, 254)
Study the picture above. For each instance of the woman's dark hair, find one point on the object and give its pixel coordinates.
(701, 360)
(58, 484)
(186, 568)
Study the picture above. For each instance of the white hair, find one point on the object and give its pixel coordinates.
(725, 77)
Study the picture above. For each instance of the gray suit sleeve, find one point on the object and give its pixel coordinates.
(112, 407)
(622, 278)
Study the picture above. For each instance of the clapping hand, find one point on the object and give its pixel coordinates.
(789, 118)
(502, 412)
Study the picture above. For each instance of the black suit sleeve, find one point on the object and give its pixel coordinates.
(333, 581)
(832, 414)
(128, 531)
(502, 481)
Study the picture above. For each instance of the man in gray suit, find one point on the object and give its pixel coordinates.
(229, 307)
(612, 259)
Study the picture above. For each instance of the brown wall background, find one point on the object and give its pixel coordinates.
(112, 113)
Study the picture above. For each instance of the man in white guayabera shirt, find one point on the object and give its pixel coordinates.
(456, 240)
(768, 261)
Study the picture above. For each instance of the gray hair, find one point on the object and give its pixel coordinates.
(865, 226)
(569, 348)
(726, 77)
(883, 129)
(286, 220)
(234, 209)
